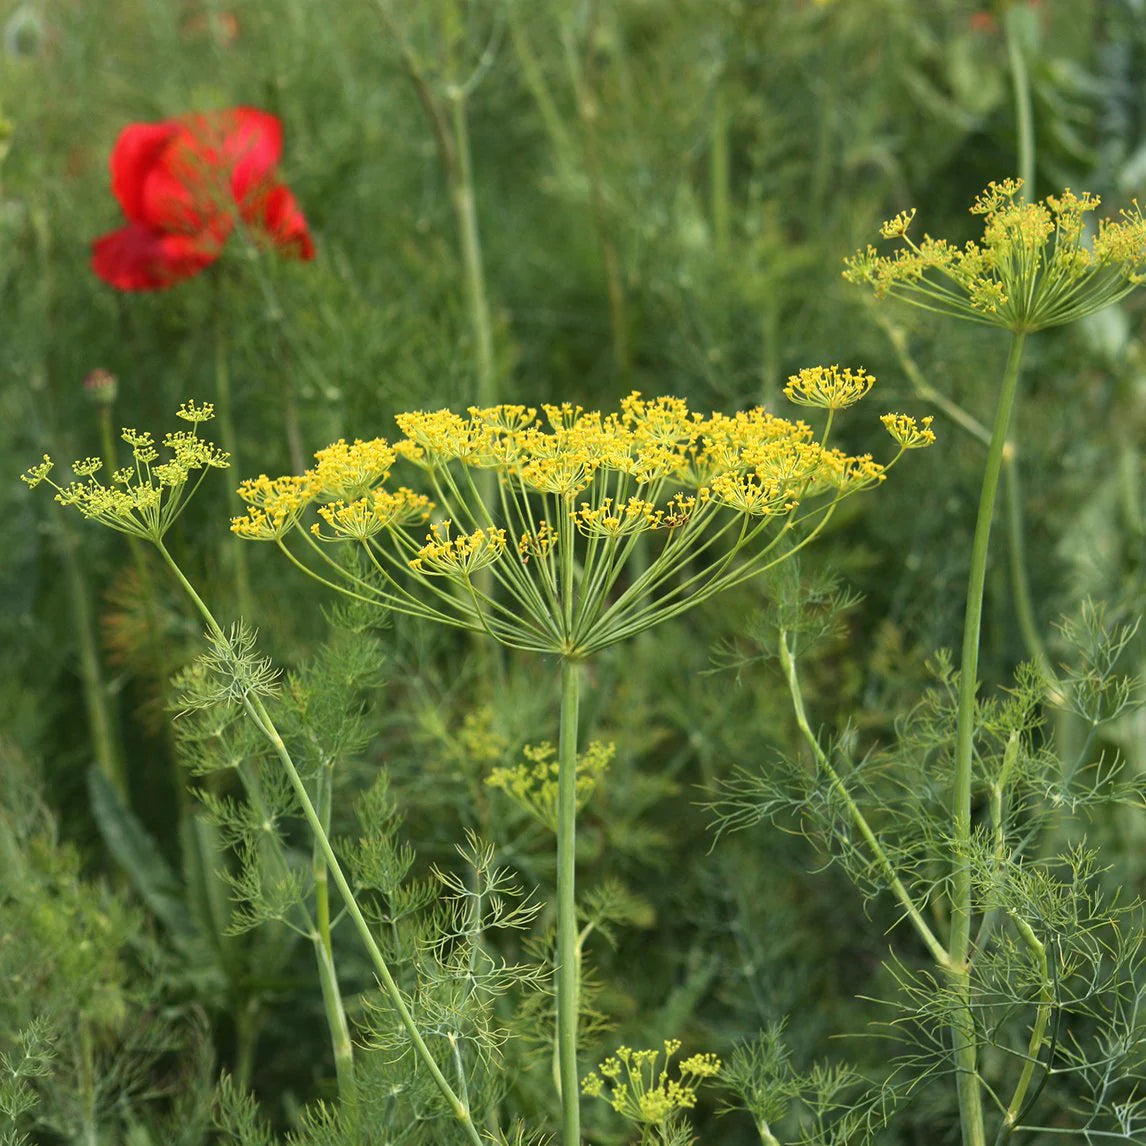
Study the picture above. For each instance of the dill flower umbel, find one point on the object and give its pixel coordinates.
(640, 1092)
(144, 498)
(1035, 266)
(537, 559)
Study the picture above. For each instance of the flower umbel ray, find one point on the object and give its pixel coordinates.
(1034, 267)
(540, 563)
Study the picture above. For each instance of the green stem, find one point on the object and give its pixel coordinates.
(567, 986)
(1038, 1029)
(1021, 90)
(718, 171)
(907, 902)
(1020, 587)
(262, 719)
(321, 935)
(95, 693)
(465, 212)
(236, 553)
(963, 1021)
(340, 1041)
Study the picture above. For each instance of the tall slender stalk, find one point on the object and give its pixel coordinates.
(96, 702)
(567, 985)
(588, 110)
(236, 554)
(963, 1021)
(464, 202)
(341, 1045)
(261, 718)
(899, 890)
(718, 170)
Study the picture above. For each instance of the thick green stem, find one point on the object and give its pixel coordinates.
(567, 985)
(906, 901)
(963, 1020)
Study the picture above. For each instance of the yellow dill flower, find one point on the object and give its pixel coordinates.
(144, 498)
(603, 520)
(533, 783)
(368, 516)
(275, 506)
(911, 435)
(460, 556)
(828, 387)
(439, 436)
(632, 1084)
(750, 495)
(574, 489)
(1032, 269)
(350, 471)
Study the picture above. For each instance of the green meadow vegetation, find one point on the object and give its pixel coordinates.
(572, 572)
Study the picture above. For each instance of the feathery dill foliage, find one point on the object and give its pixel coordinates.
(1033, 269)
(1055, 980)
(574, 495)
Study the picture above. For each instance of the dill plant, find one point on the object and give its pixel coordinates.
(546, 569)
(1012, 925)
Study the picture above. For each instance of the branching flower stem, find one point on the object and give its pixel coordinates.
(259, 715)
(963, 1022)
(907, 902)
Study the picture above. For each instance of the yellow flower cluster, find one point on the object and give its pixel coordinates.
(828, 387)
(460, 556)
(640, 1092)
(1033, 268)
(574, 489)
(142, 499)
(533, 783)
(909, 433)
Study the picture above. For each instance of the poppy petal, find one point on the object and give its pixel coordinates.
(137, 151)
(252, 147)
(141, 258)
(277, 214)
(185, 187)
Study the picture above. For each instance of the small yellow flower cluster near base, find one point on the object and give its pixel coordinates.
(533, 783)
(632, 1084)
(574, 489)
(145, 498)
(1034, 267)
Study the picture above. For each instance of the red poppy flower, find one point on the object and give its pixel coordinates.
(183, 184)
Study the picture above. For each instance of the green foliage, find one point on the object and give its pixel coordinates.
(657, 195)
